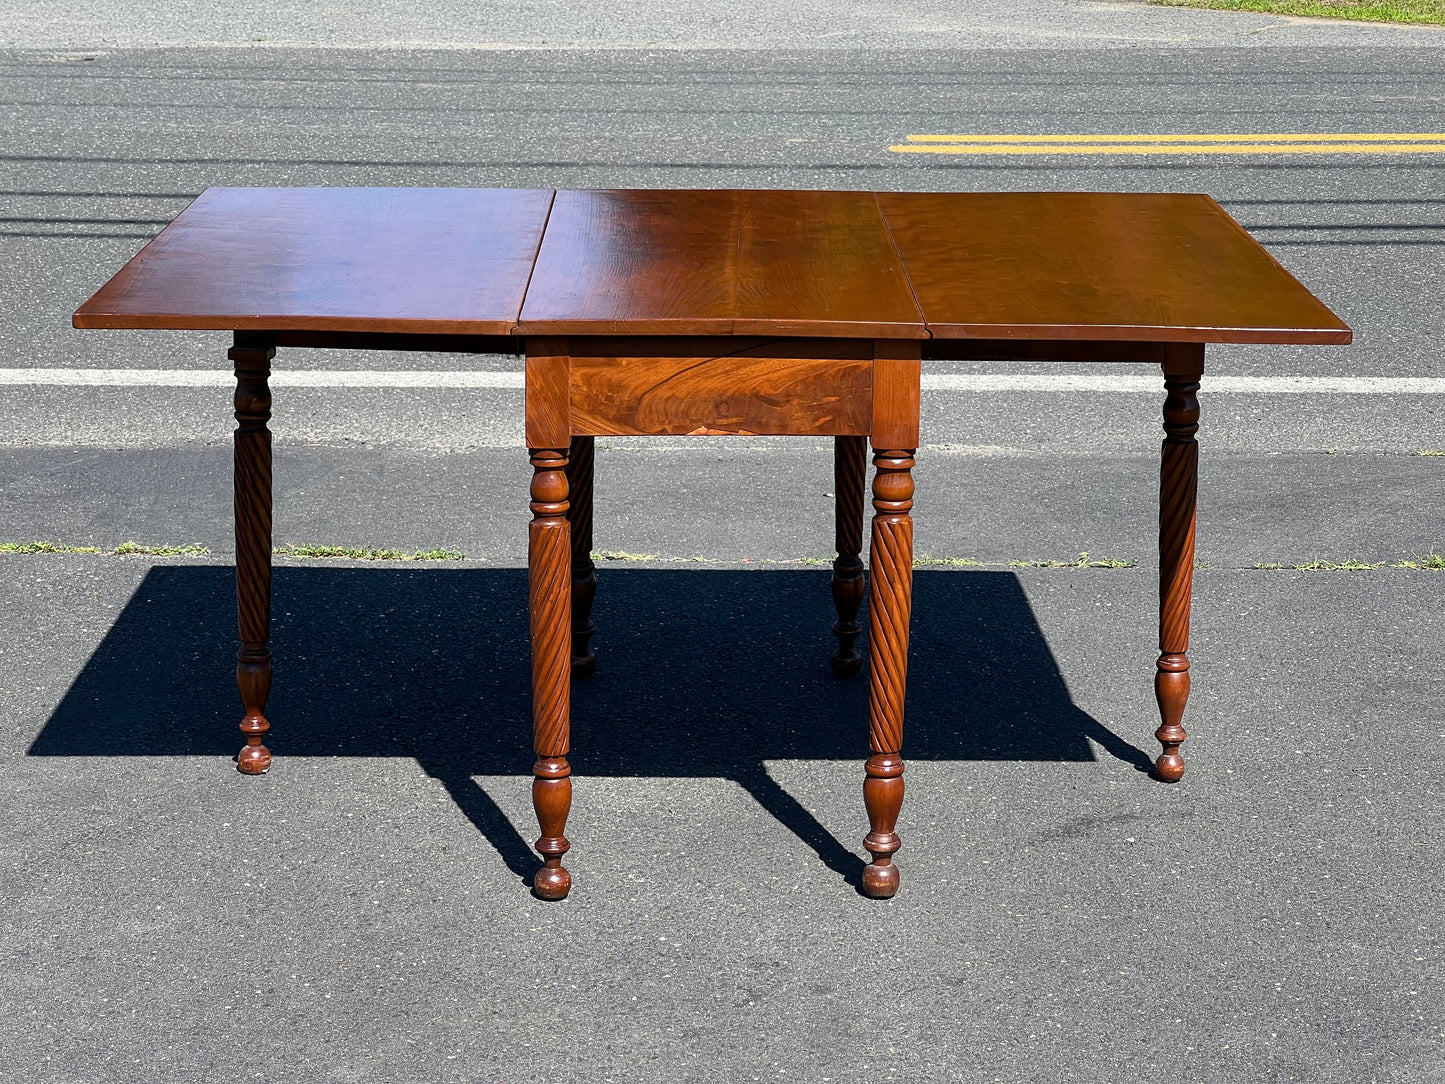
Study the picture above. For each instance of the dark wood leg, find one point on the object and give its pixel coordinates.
(252, 482)
(889, 606)
(584, 572)
(1178, 494)
(550, 588)
(850, 463)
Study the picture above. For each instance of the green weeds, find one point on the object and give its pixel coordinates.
(1083, 561)
(1370, 11)
(44, 547)
(1432, 561)
(127, 548)
(349, 554)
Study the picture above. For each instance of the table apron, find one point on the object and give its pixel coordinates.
(727, 385)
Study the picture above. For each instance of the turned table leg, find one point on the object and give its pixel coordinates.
(252, 482)
(889, 606)
(850, 463)
(1178, 493)
(549, 583)
(584, 572)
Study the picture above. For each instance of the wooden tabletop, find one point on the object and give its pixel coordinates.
(1100, 267)
(402, 260)
(696, 262)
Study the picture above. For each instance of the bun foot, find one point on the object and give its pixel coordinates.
(846, 666)
(1169, 768)
(253, 759)
(552, 883)
(584, 666)
(880, 882)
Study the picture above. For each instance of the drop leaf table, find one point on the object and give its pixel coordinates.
(716, 312)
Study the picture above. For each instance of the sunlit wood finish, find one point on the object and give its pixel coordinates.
(743, 386)
(433, 261)
(1098, 266)
(691, 262)
(716, 312)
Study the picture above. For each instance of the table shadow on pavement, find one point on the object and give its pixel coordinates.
(701, 672)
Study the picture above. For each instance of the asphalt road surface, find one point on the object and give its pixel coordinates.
(360, 913)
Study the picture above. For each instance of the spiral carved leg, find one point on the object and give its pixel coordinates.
(552, 799)
(1178, 498)
(850, 463)
(1171, 689)
(889, 608)
(584, 572)
(252, 481)
(549, 582)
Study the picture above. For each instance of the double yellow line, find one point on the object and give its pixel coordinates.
(1253, 143)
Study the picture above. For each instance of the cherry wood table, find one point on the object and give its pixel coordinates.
(716, 312)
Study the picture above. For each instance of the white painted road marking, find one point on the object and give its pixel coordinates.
(1247, 385)
(975, 382)
(1256, 143)
(220, 378)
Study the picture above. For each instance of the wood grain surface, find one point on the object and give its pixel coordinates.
(730, 385)
(548, 418)
(1059, 266)
(1097, 265)
(897, 394)
(429, 260)
(719, 263)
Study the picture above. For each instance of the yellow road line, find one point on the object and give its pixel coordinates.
(1174, 148)
(1250, 137)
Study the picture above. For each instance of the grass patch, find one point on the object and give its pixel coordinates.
(1370, 11)
(1427, 451)
(1083, 561)
(127, 548)
(623, 555)
(349, 554)
(1323, 566)
(45, 547)
(1433, 561)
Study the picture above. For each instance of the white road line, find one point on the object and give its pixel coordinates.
(1152, 384)
(219, 378)
(975, 382)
